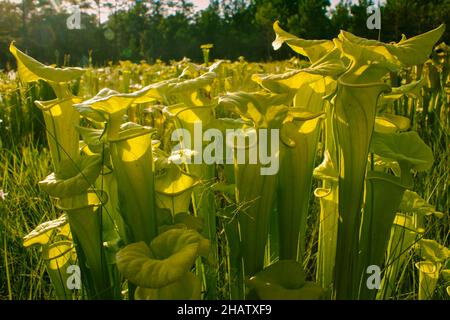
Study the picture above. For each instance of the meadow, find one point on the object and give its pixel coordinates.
(358, 208)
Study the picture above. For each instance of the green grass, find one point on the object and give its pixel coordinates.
(24, 161)
(22, 271)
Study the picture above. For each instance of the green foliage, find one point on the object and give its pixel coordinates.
(135, 215)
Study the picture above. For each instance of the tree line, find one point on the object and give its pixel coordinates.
(170, 30)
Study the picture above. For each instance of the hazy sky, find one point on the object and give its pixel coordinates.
(202, 4)
(198, 4)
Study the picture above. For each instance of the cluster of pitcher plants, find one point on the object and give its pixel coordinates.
(141, 221)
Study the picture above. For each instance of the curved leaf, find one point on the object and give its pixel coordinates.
(44, 232)
(406, 147)
(109, 105)
(174, 189)
(264, 110)
(169, 257)
(413, 89)
(188, 287)
(32, 70)
(413, 203)
(330, 66)
(313, 49)
(433, 251)
(388, 123)
(284, 280)
(407, 52)
(74, 178)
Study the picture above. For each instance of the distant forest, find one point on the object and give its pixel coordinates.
(170, 30)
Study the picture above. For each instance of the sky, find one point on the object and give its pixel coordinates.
(198, 5)
(202, 4)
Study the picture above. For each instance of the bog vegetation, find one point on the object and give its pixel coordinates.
(90, 179)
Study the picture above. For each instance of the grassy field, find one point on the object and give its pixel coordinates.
(25, 159)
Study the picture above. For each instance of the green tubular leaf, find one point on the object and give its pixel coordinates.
(188, 287)
(294, 183)
(113, 229)
(86, 225)
(328, 196)
(355, 109)
(256, 194)
(32, 70)
(298, 153)
(284, 280)
(60, 120)
(405, 147)
(327, 232)
(313, 49)
(43, 233)
(403, 237)
(428, 278)
(168, 258)
(74, 178)
(58, 256)
(203, 201)
(383, 196)
(133, 169)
